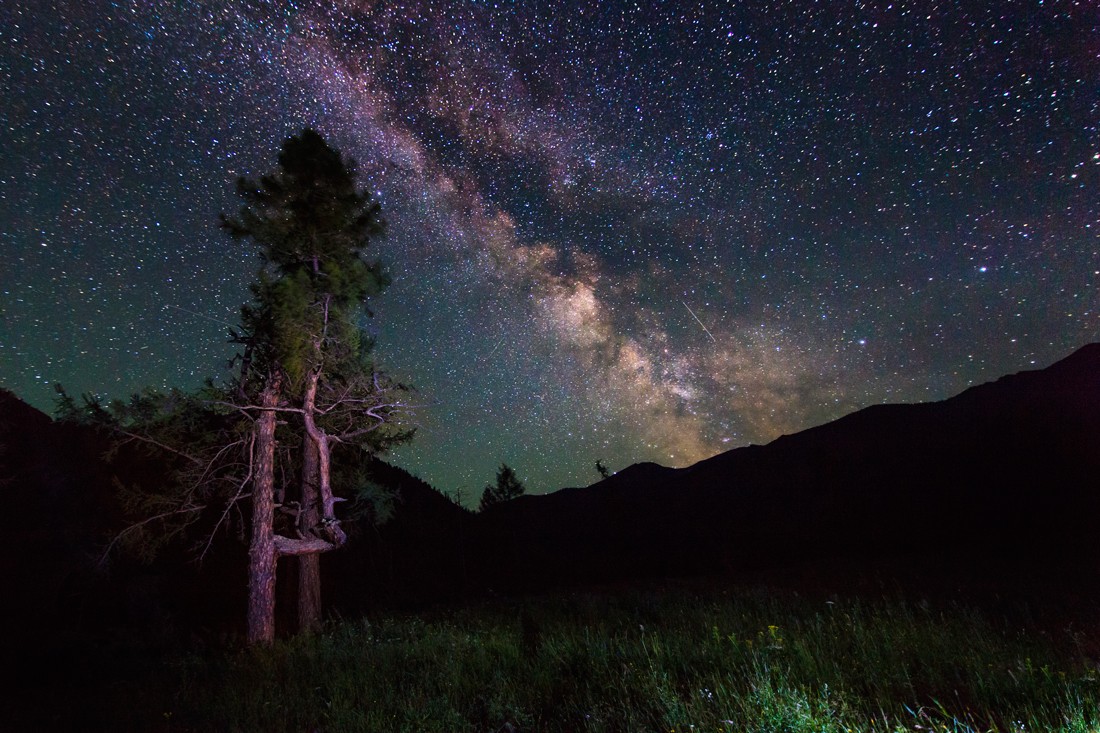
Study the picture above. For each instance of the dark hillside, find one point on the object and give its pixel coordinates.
(998, 478)
(55, 482)
(423, 553)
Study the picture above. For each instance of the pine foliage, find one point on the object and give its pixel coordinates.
(507, 487)
(312, 227)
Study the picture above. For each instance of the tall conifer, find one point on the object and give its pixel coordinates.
(306, 354)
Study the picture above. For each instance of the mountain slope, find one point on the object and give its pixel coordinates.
(1005, 472)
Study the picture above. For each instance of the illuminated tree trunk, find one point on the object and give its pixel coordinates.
(262, 555)
(309, 566)
(318, 517)
(326, 501)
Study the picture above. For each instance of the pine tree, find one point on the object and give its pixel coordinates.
(507, 487)
(306, 391)
(306, 354)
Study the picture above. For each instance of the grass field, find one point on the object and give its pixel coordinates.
(671, 661)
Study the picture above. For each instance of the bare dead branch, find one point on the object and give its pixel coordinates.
(138, 525)
(244, 409)
(158, 444)
(232, 502)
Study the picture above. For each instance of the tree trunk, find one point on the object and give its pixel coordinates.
(262, 555)
(326, 500)
(309, 566)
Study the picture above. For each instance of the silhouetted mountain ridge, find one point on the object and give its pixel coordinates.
(1004, 471)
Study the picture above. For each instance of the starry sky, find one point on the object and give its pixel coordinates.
(621, 231)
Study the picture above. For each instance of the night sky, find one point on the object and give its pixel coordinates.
(629, 231)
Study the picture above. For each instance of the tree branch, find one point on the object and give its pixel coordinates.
(307, 546)
(232, 502)
(138, 525)
(246, 408)
(158, 444)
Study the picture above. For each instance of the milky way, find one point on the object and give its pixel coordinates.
(621, 232)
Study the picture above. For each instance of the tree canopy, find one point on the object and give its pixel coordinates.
(312, 227)
(507, 487)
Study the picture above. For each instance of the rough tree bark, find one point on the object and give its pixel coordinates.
(309, 566)
(262, 553)
(320, 438)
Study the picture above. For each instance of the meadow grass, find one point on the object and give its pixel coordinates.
(669, 661)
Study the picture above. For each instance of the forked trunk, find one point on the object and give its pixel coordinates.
(326, 501)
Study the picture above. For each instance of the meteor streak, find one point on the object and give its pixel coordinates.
(200, 315)
(699, 322)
